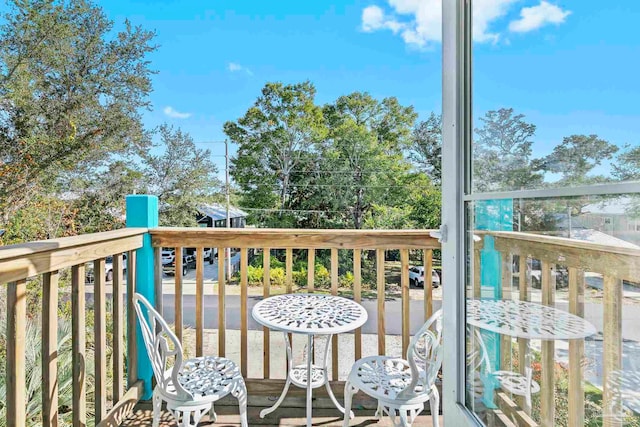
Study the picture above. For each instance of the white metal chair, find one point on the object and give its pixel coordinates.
(512, 382)
(402, 387)
(188, 387)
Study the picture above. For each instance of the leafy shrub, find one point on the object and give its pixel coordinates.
(255, 275)
(300, 278)
(346, 280)
(322, 277)
(277, 276)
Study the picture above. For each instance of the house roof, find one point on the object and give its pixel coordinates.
(595, 236)
(217, 211)
(619, 206)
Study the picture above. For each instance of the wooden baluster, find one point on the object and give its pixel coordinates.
(132, 346)
(523, 343)
(477, 287)
(50, 349)
(222, 318)
(547, 393)
(199, 300)
(404, 283)
(179, 319)
(506, 285)
(357, 297)
(100, 339)
(612, 411)
(266, 291)
(311, 269)
(289, 270)
(244, 265)
(118, 329)
(78, 325)
(334, 291)
(157, 277)
(15, 374)
(380, 278)
(289, 280)
(428, 283)
(576, 351)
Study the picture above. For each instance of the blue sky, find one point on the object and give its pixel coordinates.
(570, 66)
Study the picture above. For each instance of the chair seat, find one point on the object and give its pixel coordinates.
(383, 378)
(515, 383)
(209, 377)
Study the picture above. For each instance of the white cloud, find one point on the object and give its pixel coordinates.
(532, 18)
(169, 111)
(235, 67)
(419, 22)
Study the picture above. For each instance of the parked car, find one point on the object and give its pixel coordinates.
(188, 263)
(561, 275)
(416, 277)
(108, 269)
(208, 253)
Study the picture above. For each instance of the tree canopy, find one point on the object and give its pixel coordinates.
(71, 91)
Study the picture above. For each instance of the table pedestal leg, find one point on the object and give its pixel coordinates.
(309, 374)
(326, 378)
(267, 411)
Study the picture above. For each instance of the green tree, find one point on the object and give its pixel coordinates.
(273, 136)
(426, 147)
(502, 153)
(362, 159)
(627, 166)
(576, 156)
(183, 177)
(71, 90)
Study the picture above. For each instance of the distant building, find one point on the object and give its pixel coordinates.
(215, 215)
(612, 217)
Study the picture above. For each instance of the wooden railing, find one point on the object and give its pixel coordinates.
(615, 264)
(21, 264)
(290, 240)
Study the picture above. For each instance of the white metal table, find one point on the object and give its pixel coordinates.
(522, 319)
(308, 314)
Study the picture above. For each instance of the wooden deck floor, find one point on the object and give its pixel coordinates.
(228, 416)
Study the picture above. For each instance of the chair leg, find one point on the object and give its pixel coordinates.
(434, 402)
(379, 411)
(186, 419)
(213, 417)
(349, 391)
(157, 408)
(240, 393)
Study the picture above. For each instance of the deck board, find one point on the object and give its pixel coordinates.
(228, 416)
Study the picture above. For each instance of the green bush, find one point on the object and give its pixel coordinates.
(322, 277)
(255, 275)
(346, 280)
(300, 278)
(277, 276)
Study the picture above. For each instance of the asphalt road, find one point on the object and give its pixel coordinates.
(393, 311)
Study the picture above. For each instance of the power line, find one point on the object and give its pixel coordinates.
(328, 185)
(292, 210)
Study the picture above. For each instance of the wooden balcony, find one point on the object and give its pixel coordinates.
(105, 384)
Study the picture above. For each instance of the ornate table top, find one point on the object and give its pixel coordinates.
(309, 314)
(526, 320)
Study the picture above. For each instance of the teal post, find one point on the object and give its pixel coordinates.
(142, 211)
(494, 215)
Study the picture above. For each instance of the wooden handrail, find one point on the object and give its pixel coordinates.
(31, 259)
(293, 238)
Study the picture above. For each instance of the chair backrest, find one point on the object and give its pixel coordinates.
(163, 347)
(425, 356)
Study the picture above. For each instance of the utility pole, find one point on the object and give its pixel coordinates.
(226, 173)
